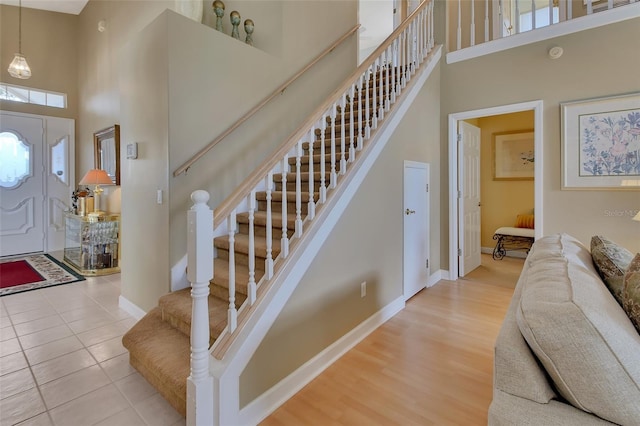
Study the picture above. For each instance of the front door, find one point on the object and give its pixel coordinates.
(469, 197)
(21, 184)
(416, 269)
(36, 181)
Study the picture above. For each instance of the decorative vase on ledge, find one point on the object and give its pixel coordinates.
(192, 9)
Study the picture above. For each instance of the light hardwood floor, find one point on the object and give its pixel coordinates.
(431, 364)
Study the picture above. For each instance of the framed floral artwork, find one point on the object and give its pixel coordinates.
(513, 155)
(601, 143)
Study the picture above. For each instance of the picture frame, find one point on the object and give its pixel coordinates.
(601, 143)
(513, 155)
(107, 151)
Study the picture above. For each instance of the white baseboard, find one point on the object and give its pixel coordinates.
(437, 276)
(265, 404)
(130, 308)
(179, 275)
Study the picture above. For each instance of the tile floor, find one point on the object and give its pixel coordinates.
(62, 361)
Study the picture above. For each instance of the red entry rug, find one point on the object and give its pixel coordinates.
(33, 272)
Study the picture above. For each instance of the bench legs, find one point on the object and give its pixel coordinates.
(510, 242)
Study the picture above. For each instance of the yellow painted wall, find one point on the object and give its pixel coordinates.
(501, 200)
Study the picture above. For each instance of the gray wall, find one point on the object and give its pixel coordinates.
(596, 63)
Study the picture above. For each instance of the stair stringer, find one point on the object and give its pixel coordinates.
(288, 272)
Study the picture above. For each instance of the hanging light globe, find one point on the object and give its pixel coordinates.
(19, 68)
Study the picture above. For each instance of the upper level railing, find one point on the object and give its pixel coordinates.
(478, 22)
(184, 167)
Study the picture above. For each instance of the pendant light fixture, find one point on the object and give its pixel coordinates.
(19, 67)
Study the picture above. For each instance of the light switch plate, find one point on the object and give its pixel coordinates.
(132, 151)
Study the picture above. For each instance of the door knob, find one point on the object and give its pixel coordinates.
(408, 212)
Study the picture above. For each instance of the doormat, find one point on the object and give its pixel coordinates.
(34, 272)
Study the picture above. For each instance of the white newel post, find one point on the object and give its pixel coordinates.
(199, 272)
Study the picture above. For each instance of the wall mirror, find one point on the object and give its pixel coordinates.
(107, 151)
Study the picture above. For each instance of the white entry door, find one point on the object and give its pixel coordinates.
(416, 228)
(36, 181)
(469, 197)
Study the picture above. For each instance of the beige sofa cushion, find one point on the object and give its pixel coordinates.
(580, 334)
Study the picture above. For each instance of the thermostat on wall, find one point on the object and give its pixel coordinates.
(132, 151)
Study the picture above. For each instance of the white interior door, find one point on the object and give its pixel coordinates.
(36, 181)
(21, 184)
(416, 228)
(469, 197)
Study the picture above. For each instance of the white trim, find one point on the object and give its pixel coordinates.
(537, 107)
(265, 404)
(179, 275)
(436, 277)
(582, 23)
(130, 308)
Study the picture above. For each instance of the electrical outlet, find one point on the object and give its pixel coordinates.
(363, 289)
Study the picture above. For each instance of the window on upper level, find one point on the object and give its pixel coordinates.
(524, 15)
(10, 92)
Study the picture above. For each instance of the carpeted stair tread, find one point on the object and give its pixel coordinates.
(318, 157)
(241, 244)
(260, 218)
(304, 177)
(162, 355)
(176, 310)
(277, 195)
(221, 276)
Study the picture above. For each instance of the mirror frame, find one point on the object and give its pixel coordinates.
(101, 135)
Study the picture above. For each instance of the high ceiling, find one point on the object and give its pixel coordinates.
(73, 7)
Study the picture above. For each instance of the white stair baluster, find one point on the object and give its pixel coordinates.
(199, 272)
(232, 313)
(517, 26)
(333, 176)
(311, 205)
(284, 241)
(389, 85)
(352, 136)
(343, 133)
(367, 115)
(394, 66)
(374, 93)
(268, 262)
(251, 285)
(381, 87)
(323, 166)
(361, 125)
(298, 229)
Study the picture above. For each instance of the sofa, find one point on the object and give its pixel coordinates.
(568, 353)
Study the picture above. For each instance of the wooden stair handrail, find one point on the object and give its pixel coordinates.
(183, 168)
(232, 201)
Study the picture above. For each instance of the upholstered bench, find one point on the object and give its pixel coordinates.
(512, 238)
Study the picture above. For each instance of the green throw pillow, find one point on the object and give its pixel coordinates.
(631, 291)
(611, 262)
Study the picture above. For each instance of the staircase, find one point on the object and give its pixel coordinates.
(265, 218)
(159, 344)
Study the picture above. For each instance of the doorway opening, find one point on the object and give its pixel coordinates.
(456, 197)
